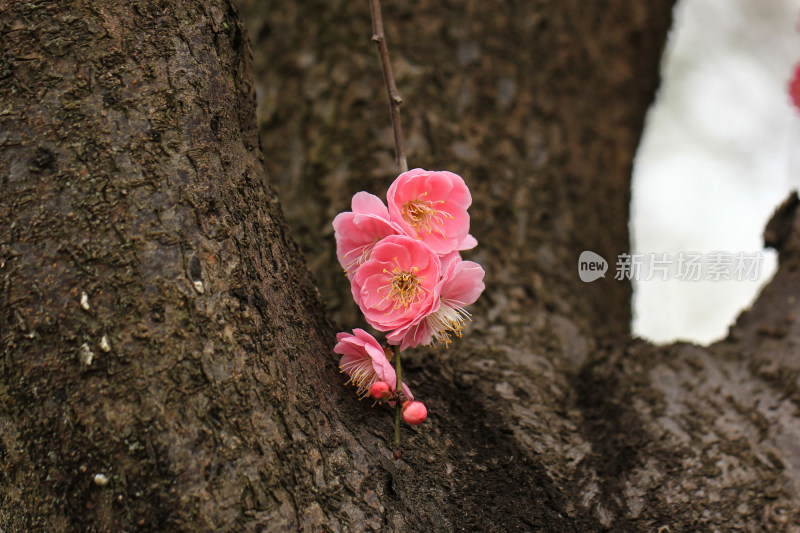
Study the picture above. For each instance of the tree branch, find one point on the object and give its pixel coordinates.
(379, 38)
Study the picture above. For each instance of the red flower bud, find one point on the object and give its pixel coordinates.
(380, 390)
(414, 413)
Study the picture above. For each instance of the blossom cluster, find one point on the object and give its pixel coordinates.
(405, 269)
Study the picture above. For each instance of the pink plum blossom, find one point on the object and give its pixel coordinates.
(446, 259)
(461, 284)
(358, 231)
(395, 286)
(794, 87)
(364, 360)
(432, 206)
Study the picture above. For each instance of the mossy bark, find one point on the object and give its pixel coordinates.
(167, 362)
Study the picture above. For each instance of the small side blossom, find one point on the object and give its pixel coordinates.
(395, 287)
(460, 286)
(364, 360)
(432, 206)
(358, 231)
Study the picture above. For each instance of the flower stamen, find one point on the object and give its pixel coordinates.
(362, 375)
(451, 318)
(362, 252)
(423, 216)
(404, 287)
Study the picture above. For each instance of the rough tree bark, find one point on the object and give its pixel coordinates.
(167, 363)
(161, 341)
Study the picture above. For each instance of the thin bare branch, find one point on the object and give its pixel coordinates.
(379, 38)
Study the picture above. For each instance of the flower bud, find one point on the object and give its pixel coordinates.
(380, 390)
(414, 413)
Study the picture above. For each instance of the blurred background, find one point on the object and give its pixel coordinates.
(720, 151)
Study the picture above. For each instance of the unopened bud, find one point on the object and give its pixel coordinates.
(397, 453)
(380, 390)
(414, 413)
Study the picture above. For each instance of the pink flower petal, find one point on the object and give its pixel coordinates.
(397, 284)
(358, 231)
(406, 391)
(468, 243)
(447, 259)
(431, 206)
(464, 283)
(365, 203)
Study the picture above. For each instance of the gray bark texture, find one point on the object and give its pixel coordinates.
(166, 357)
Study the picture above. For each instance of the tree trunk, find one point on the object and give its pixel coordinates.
(161, 340)
(167, 363)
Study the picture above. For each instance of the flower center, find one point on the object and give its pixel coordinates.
(404, 288)
(423, 216)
